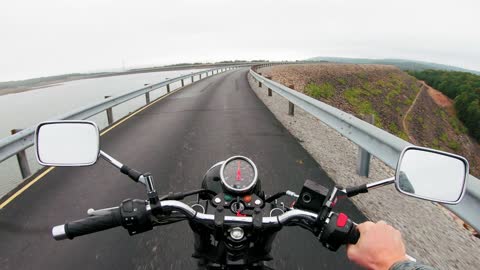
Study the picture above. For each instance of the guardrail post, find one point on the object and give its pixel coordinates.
(200, 76)
(192, 79)
(363, 162)
(109, 114)
(259, 82)
(147, 97)
(183, 83)
(168, 88)
(22, 159)
(269, 90)
(291, 106)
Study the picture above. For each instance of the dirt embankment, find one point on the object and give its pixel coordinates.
(402, 105)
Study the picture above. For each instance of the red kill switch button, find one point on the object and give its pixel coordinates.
(342, 220)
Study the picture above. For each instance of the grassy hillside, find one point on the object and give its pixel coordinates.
(402, 105)
(400, 63)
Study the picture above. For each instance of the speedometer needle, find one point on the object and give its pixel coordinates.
(239, 172)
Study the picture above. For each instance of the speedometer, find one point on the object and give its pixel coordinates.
(238, 174)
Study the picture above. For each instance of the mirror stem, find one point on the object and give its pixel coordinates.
(133, 174)
(353, 191)
(381, 183)
(145, 179)
(111, 160)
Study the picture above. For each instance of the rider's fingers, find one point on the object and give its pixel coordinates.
(382, 222)
(363, 227)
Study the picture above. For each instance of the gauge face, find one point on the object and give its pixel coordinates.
(238, 174)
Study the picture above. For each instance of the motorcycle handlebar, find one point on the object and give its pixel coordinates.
(277, 220)
(88, 225)
(113, 218)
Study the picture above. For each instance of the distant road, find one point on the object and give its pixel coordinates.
(177, 139)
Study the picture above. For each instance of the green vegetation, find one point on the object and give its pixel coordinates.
(371, 90)
(400, 63)
(393, 94)
(435, 143)
(451, 83)
(408, 102)
(452, 144)
(324, 90)
(457, 125)
(396, 86)
(354, 96)
(464, 88)
(421, 122)
(395, 130)
(342, 81)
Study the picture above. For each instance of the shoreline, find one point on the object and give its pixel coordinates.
(50, 83)
(9, 91)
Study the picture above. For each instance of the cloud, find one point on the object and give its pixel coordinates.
(41, 38)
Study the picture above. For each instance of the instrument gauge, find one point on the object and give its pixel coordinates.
(238, 174)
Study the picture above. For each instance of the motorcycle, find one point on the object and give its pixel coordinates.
(233, 221)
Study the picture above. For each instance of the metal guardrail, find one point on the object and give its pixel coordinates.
(376, 141)
(18, 142)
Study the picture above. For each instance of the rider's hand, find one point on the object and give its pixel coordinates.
(379, 247)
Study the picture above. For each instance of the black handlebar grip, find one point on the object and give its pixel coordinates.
(93, 224)
(353, 235)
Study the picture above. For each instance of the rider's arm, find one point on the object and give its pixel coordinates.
(408, 265)
(381, 247)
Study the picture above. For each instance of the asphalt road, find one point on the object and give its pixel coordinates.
(176, 139)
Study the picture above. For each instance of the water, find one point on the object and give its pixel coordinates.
(26, 109)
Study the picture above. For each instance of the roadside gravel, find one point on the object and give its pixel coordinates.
(430, 233)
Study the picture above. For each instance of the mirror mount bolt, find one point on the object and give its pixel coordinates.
(147, 178)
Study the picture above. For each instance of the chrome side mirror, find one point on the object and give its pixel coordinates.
(431, 175)
(67, 143)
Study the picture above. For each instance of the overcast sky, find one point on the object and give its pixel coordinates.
(40, 38)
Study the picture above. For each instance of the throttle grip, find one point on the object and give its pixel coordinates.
(353, 235)
(88, 225)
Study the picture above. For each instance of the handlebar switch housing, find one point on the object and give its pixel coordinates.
(338, 230)
(135, 217)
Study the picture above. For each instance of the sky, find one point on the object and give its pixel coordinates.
(49, 37)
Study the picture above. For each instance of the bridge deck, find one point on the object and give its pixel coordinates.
(177, 140)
